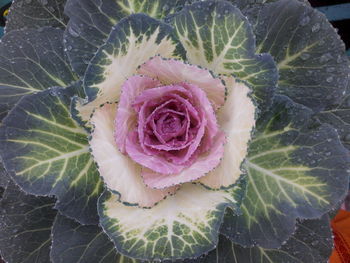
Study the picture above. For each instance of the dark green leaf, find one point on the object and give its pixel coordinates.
(312, 242)
(296, 168)
(313, 67)
(34, 14)
(47, 153)
(76, 243)
(4, 178)
(218, 37)
(91, 22)
(25, 226)
(339, 117)
(30, 61)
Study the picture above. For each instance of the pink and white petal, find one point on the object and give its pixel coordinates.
(204, 164)
(171, 71)
(156, 163)
(237, 119)
(118, 171)
(126, 119)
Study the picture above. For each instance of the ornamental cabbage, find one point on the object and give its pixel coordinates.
(195, 131)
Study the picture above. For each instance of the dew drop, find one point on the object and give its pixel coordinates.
(314, 243)
(44, 2)
(73, 32)
(339, 59)
(166, 8)
(331, 69)
(329, 79)
(316, 27)
(28, 1)
(69, 48)
(325, 57)
(308, 73)
(305, 21)
(321, 42)
(54, 91)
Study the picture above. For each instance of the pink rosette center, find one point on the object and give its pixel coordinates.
(168, 123)
(169, 129)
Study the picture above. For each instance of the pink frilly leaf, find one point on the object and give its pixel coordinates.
(204, 164)
(126, 118)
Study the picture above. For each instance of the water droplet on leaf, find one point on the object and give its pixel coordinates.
(166, 8)
(73, 32)
(314, 243)
(331, 69)
(329, 79)
(305, 21)
(339, 59)
(316, 27)
(325, 57)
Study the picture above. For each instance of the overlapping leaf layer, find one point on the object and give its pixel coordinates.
(61, 60)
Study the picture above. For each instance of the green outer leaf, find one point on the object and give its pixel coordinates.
(241, 4)
(339, 117)
(72, 242)
(182, 226)
(313, 66)
(296, 168)
(312, 242)
(91, 22)
(4, 178)
(25, 226)
(34, 14)
(31, 61)
(124, 51)
(217, 36)
(47, 153)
